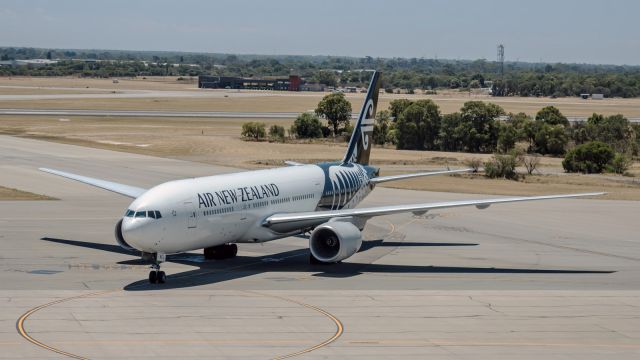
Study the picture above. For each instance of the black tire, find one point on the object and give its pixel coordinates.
(232, 250)
(221, 252)
(162, 277)
(153, 277)
(210, 253)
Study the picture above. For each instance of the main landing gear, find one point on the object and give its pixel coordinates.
(221, 252)
(155, 275)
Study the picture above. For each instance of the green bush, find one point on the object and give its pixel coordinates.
(254, 130)
(501, 166)
(592, 157)
(620, 163)
(307, 126)
(276, 133)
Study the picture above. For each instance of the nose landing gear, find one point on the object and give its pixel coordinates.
(155, 275)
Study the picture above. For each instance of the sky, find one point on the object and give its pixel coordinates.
(570, 31)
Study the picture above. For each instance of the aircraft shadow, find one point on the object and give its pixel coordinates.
(217, 271)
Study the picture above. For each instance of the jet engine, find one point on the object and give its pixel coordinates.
(335, 241)
(120, 239)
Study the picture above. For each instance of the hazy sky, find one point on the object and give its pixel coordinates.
(583, 31)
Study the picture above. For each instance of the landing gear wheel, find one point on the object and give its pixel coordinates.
(221, 252)
(161, 278)
(153, 277)
(233, 250)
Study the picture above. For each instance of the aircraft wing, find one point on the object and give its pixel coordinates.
(382, 179)
(126, 190)
(287, 222)
(293, 163)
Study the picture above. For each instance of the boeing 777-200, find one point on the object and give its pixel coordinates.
(216, 212)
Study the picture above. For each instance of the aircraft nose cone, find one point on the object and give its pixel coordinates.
(133, 231)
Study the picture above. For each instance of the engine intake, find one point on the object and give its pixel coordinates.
(335, 241)
(120, 239)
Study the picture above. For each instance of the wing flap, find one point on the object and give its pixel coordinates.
(122, 189)
(307, 219)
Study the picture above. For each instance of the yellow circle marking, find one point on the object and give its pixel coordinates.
(29, 338)
(336, 321)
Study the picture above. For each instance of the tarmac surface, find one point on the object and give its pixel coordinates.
(555, 279)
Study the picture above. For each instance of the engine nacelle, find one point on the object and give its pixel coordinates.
(335, 241)
(120, 239)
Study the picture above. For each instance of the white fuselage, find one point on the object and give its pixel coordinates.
(208, 211)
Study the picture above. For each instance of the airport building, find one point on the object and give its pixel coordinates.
(292, 83)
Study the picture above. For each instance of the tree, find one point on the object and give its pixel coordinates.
(615, 130)
(254, 130)
(336, 109)
(327, 77)
(381, 127)
(588, 158)
(507, 137)
(530, 162)
(621, 163)
(307, 125)
(450, 137)
(550, 139)
(479, 129)
(551, 115)
(502, 166)
(418, 126)
(276, 133)
(398, 106)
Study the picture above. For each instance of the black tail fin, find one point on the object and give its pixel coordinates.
(362, 136)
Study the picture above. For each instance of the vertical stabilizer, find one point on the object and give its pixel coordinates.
(362, 136)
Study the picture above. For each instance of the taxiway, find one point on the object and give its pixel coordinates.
(557, 279)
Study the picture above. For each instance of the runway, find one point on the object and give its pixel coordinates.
(558, 279)
(147, 113)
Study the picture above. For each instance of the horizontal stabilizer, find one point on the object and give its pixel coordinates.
(293, 163)
(382, 179)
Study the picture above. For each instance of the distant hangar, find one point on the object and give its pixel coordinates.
(292, 83)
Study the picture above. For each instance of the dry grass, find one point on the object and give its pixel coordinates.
(15, 194)
(617, 187)
(286, 102)
(151, 83)
(217, 141)
(449, 101)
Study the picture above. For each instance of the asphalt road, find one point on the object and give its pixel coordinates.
(557, 279)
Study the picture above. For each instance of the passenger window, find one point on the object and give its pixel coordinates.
(141, 214)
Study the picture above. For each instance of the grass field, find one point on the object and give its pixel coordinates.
(15, 194)
(217, 141)
(268, 101)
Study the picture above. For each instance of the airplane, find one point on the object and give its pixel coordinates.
(215, 213)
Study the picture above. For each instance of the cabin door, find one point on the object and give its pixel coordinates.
(192, 215)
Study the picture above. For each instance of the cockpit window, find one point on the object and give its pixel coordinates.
(158, 215)
(141, 214)
(130, 213)
(151, 214)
